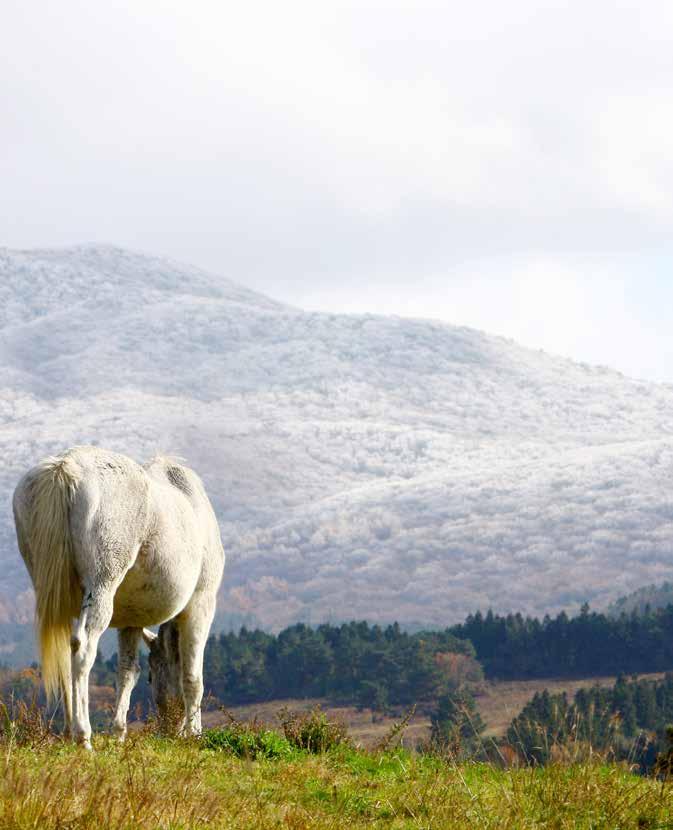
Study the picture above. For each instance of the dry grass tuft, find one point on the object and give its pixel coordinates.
(313, 730)
(395, 733)
(25, 724)
(168, 721)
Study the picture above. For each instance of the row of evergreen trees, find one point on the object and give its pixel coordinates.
(629, 720)
(590, 644)
(376, 666)
(358, 662)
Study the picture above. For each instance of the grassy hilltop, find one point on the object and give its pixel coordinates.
(153, 782)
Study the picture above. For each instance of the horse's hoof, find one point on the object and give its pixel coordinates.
(119, 733)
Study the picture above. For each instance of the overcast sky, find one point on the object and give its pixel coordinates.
(506, 166)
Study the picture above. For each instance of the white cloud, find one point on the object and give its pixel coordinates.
(412, 154)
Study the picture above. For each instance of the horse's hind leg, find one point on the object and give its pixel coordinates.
(94, 618)
(194, 625)
(128, 672)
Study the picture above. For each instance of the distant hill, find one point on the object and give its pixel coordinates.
(361, 466)
(652, 596)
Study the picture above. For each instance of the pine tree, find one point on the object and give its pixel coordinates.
(456, 724)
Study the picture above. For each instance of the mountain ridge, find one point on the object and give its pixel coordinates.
(392, 468)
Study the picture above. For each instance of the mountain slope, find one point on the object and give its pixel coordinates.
(361, 466)
(649, 597)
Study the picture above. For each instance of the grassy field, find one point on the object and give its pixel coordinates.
(152, 782)
(155, 782)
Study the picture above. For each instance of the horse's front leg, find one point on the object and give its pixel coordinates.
(128, 672)
(194, 624)
(94, 618)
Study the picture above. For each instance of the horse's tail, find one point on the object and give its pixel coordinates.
(57, 591)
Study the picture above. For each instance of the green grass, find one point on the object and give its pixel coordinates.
(153, 782)
(248, 743)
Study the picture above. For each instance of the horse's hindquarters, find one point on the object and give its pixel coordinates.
(156, 588)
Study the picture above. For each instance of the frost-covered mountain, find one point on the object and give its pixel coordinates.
(361, 466)
(650, 597)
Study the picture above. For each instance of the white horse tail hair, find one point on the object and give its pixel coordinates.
(58, 594)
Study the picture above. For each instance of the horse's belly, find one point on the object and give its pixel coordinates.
(151, 594)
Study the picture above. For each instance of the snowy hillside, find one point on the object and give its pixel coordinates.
(650, 597)
(361, 466)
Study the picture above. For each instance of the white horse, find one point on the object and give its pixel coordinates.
(108, 542)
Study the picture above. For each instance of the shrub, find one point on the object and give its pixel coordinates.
(456, 725)
(249, 739)
(664, 762)
(24, 724)
(312, 731)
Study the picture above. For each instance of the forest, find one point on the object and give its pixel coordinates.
(630, 721)
(377, 666)
(355, 662)
(381, 666)
(590, 644)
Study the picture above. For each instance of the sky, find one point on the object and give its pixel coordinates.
(506, 166)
